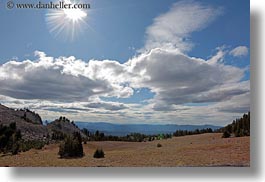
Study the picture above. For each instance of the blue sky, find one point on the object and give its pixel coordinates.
(127, 62)
(117, 25)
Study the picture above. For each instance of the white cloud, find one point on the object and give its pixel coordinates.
(219, 56)
(172, 29)
(63, 79)
(178, 79)
(238, 104)
(73, 87)
(239, 51)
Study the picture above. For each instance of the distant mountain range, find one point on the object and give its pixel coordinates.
(148, 129)
(32, 127)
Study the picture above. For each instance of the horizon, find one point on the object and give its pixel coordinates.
(159, 66)
(105, 122)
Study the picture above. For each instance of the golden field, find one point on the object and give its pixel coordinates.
(195, 150)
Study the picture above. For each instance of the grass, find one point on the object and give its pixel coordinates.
(195, 150)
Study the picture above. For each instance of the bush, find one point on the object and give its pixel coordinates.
(71, 147)
(226, 134)
(99, 153)
(159, 145)
(29, 144)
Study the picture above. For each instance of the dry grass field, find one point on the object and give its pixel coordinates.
(196, 150)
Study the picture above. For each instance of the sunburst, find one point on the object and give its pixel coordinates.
(66, 23)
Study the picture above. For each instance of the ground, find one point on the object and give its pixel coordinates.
(195, 150)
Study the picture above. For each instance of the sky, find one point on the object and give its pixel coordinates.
(126, 61)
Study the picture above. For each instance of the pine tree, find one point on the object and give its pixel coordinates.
(71, 147)
(99, 153)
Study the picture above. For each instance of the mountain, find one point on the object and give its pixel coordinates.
(148, 129)
(31, 126)
(28, 122)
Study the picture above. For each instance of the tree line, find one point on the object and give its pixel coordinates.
(238, 128)
(132, 137)
(194, 132)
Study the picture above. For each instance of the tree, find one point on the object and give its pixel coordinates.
(72, 146)
(9, 138)
(99, 153)
(226, 134)
(240, 127)
(86, 132)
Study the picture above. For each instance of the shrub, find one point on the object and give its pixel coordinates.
(226, 134)
(99, 153)
(29, 144)
(159, 145)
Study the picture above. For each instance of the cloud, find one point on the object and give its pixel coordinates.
(238, 104)
(178, 79)
(83, 107)
(172, 29)
(62, 79)
(182, 80)
(185, 88)
(106, 106)
(239, 51)
(219, 56)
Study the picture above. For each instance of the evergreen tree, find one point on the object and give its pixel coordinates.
(99, 153)
(239, 127)
(9, 138)
(71, 147)
(226, 134)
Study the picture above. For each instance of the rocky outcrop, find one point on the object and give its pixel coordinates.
(64, 126)
(28, 122)
(31, 126)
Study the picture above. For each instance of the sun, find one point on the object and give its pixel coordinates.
(74, 14)
(67, 23)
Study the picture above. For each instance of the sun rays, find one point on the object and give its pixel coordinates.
(68, 23)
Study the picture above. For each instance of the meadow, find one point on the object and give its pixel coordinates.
(187, 151)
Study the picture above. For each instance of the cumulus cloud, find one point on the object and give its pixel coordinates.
(173, 28)
(174, 78)
(178, 79)
(239, 51)
(63, 79)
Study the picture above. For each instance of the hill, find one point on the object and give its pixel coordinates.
(28, 122)
(63, 126)
(31, 126)
(147, 129)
